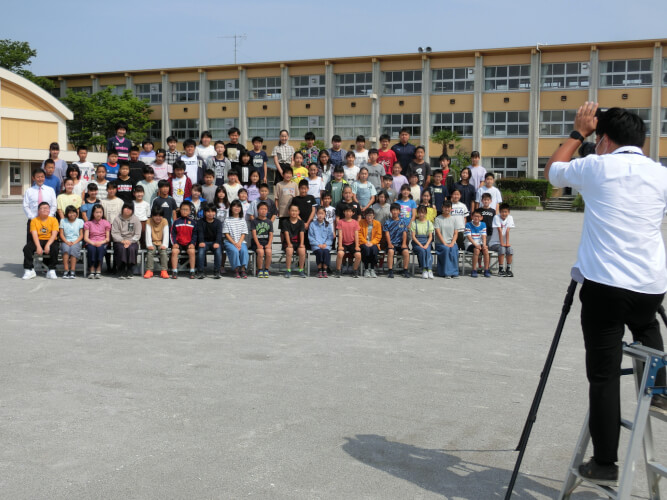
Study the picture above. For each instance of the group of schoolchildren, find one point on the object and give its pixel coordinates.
(214, 198)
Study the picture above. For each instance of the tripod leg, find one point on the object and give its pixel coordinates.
(532, 415)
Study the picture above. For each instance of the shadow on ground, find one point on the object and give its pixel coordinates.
(444, 473)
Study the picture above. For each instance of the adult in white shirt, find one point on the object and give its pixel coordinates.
(36, 194)
(621, 261)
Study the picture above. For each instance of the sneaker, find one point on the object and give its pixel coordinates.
(501, 273)
(29, 274)
(174, 275)
(319, 274)
(425, 275)
(390, 274)
(302, 274)
(148, 274)
(201, 275)
(448, 277)
(91, 276)
(509, 274)
(238, 275)
(288, 274)
(604, 475)
(406, 273)
(129, 274)
(217, 276)
(367, 273)
(120, 275)
(430, 274)
(659, 404)
(266, 273)
(193, 275)
(355, 273)
(98, 276)
(473, 274)
(325, 274)
(222, 270)
(487, 273)
(66, 275)
(455, 276)
(72, 275)
(244, 274)
(51, 275)
(373, 273)
(337, 275)
(164, 275)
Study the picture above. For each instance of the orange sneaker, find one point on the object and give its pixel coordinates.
(164, 274)
(148, 274)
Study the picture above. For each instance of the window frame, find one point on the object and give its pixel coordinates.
(216, 130)
(224, 91)
(318, 129)
(356, 127)
(270, 83)
(564, 122)
(386, 128)
(469, 79)
(191, 94)
(177, 131)
(508, 78)
(402, 86)
(518, 123)
(359, 89)
(149, 95)
(462, 125)
(547, 80)
(320, 87)
(263, 131)
(615, 72)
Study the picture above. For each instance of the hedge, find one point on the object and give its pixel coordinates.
(522, 198)
(537, 187)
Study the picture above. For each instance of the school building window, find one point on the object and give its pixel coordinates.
(115, 89)
(87, 90)
(541, 164)
(402, 82)
(505, 123)
(55, 92)
(557, 123)
(663, 127)
(308, 86)
(185, 129)
(453, 80)
(626, 73)
(185, 92)
(559, 76)
(299, 125)
(219, 127)
(644, 114)
(154, 132)
(461, 123)
(267, 127)
(264, 88)
(506, 166)
(354, 84)
(223, 90)
(664, 71)
(350, 126)
(392, 124)
(502, 78)
(149, 91)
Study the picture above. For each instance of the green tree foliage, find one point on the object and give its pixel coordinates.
(95, 116)
(460, 157)
(15, 56)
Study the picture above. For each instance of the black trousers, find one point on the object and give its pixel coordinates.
(605, 310)
(51, 258)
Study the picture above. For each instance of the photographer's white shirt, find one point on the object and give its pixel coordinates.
(619, 247)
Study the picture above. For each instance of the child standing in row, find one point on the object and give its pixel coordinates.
(500, 240)
(321, 236)
(71, 236)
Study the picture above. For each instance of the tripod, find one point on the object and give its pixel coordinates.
(532, 415)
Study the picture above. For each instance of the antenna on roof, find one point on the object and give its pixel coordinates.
(236, 40)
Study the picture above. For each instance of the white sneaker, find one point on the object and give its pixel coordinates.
(373, 273)
(367, 273)
(51, 275)
(430, 275)
(425, 275)
(29, 274)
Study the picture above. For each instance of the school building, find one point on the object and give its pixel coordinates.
(514, 105)
(30, 120)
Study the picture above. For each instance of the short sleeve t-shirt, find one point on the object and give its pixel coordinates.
(395, 228)
(287, 190)
(406, 208)
(293, 229)
(71, 229)
(340, 213)
(97, 231)
(64, 200)
(167, 205)
(348, 229)
(315, 186)
(44, 228)
(375, 173)
(501, 226)
(447, 226)
(420, 228)
(387, 160)
(475, 232)
(305, 204)
(257, 159)
(233, 152)
(264, 229)
(423, 170)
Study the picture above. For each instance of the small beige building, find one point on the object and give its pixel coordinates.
(30, 119)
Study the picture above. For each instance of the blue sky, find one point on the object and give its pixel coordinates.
(87, 37)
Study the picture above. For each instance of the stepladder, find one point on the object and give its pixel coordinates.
(645, 365)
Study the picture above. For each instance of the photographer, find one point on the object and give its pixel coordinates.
(620, 262)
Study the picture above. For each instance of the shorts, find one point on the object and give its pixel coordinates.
(73, 251)
(502, 250)
(293, 241)
(350, 248)
(398, 250)
(254, 247)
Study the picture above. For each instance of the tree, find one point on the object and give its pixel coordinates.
(460, 158)
(95, 116)
(15, 56)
